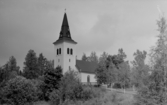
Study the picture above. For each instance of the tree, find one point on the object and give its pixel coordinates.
(42, 64)
(119, 58)
(112, 70)
(122, 54)
(119, 68)
(124, 74)
(106, 72)
(103, 58)
(160, 50)
(31, 70)
(109, 68)
(13, 64)
(52, 78)
(93, 57)
(101, 74)
(2, 75)
(13, 68)
(4, 72)
(140, 71)
(154, 93)
(70, 86)
(49, 64)
(18, 91)
(9, 70)
(84, 58)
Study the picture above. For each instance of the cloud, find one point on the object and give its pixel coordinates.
(96, 26)
(101, 36)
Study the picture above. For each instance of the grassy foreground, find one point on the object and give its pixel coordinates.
(104, 98)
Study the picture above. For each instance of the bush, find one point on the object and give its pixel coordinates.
(70, 86)
(117, 86)
(18, 91)
(87, 93)
(38, 83)
(54, 97)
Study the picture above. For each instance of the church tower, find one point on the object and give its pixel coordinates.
(65, 48)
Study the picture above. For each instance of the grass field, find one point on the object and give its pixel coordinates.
(111, 97)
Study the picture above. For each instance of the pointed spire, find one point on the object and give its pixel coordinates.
(65, 31)
(65, 21)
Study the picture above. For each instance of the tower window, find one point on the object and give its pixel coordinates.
(69, 60)
(71, 51)
(59, 50)
(69, 68)
(68, 50)
(58, 60)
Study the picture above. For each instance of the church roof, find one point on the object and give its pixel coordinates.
(86, 67)
(65, 34)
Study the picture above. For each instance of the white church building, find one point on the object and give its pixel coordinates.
(65, 48)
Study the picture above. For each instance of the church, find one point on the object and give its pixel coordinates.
(65, 55)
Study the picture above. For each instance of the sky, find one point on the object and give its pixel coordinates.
(97, 25)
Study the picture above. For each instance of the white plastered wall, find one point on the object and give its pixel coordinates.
(84, 76)
(66, 61)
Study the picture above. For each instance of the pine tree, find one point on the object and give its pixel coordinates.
(103, 58)
(9, 70)
(42, 62)
(84, 58)
(31, 70)
(13, 68)
(93, 57)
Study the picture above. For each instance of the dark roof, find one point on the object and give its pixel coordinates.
(65, 34)
(60, 40)
(86, 67)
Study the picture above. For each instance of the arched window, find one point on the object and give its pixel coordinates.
(88, 79)
(71, 51)
(68, 50)
(57, 51)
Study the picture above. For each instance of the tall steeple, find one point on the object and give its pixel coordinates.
(65, 31)
(65, 34)
(65, 48)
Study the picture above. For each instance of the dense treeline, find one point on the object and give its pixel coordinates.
(39, 80)
(115, 70)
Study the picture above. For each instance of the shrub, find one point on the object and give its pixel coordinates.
(70, 86)
(54, 97)
(18, 91)
(87, 93)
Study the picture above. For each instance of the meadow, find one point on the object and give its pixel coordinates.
(105, 97)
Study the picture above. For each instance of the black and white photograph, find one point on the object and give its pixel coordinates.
(83, 52)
